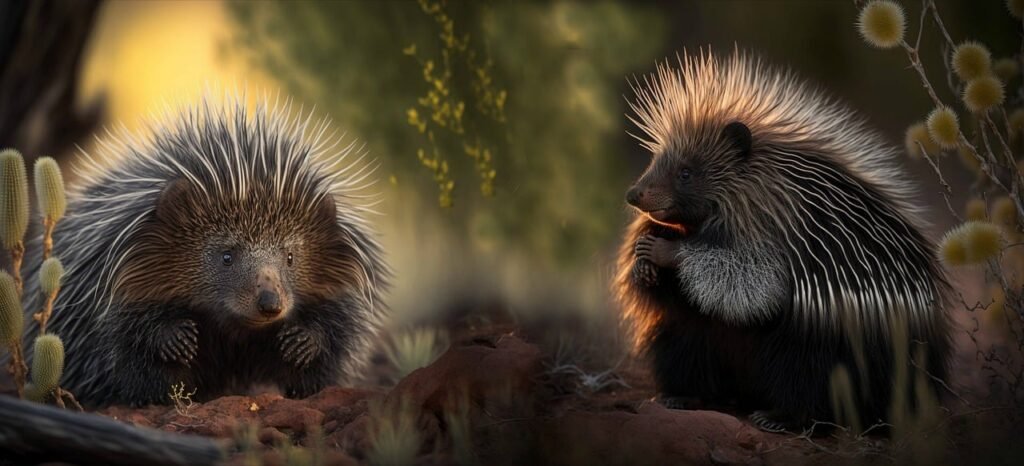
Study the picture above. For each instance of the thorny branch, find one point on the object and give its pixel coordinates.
(997, 163)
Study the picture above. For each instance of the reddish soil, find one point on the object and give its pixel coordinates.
(519, 414)
(519, 411)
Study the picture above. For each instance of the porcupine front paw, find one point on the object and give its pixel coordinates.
(660, 252)
(179, 343)
(645, 273)
(298, 346)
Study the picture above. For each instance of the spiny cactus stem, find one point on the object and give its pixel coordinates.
(17, 255)
(43, 316)
(48, 225)
(18, 368)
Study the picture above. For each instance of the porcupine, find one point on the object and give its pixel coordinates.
(229, 248)
(776, 241)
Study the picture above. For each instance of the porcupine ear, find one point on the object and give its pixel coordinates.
(172, 196)
(739, 136)
(327, 208)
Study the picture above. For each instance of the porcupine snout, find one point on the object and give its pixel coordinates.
(647, 196)
(269, 294)
(634, 196)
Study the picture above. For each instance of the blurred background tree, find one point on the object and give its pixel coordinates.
(535, 136)
(536, 88)
(41, 50)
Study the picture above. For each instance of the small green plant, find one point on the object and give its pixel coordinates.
(246, 436)
(844, 406)
(439, 113)
(414, 349)
(394, 436)
(312, 454)
(456, 418)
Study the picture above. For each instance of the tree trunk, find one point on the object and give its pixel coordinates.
(41, 48)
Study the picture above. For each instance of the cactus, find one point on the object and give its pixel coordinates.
(50, 275)
(52, 201)
(12, 321)
(47, 365)
(33, 393)
(13, 208)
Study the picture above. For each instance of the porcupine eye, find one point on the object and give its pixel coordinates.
(684, 174)
(290, 259)
(227, 258)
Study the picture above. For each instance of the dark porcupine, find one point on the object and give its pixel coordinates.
(225, 250)
(776, 241)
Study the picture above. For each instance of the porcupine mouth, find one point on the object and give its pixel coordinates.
(667, 217)
(257, 322)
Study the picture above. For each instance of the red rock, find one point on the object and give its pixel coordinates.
(290, 414)
(354, 437)
(272, 436)
(476, 370)
(335, 396)
(340, 405)
(652, 435)
(337, 458)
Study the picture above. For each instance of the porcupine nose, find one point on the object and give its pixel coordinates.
(268, 303)
(634, 196)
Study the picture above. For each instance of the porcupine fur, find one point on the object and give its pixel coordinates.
(226, 248)
(776, 240)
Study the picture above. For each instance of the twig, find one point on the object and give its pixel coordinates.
(48, 225)
(17, 256)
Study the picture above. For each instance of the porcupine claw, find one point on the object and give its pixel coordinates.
(298, 346)
(645, 273)
(180, 343)
(768, 421)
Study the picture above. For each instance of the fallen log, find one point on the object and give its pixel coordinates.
(45, 433)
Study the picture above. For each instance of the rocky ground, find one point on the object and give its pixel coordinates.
(496, 397)
(518, 412)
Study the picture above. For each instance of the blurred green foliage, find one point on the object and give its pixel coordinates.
(508, 112)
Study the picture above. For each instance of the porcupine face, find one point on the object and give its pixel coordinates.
(252, 280)
(678, 188)
(252, 260)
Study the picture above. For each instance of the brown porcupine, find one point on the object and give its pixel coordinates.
(776, 241)
(227, 249)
